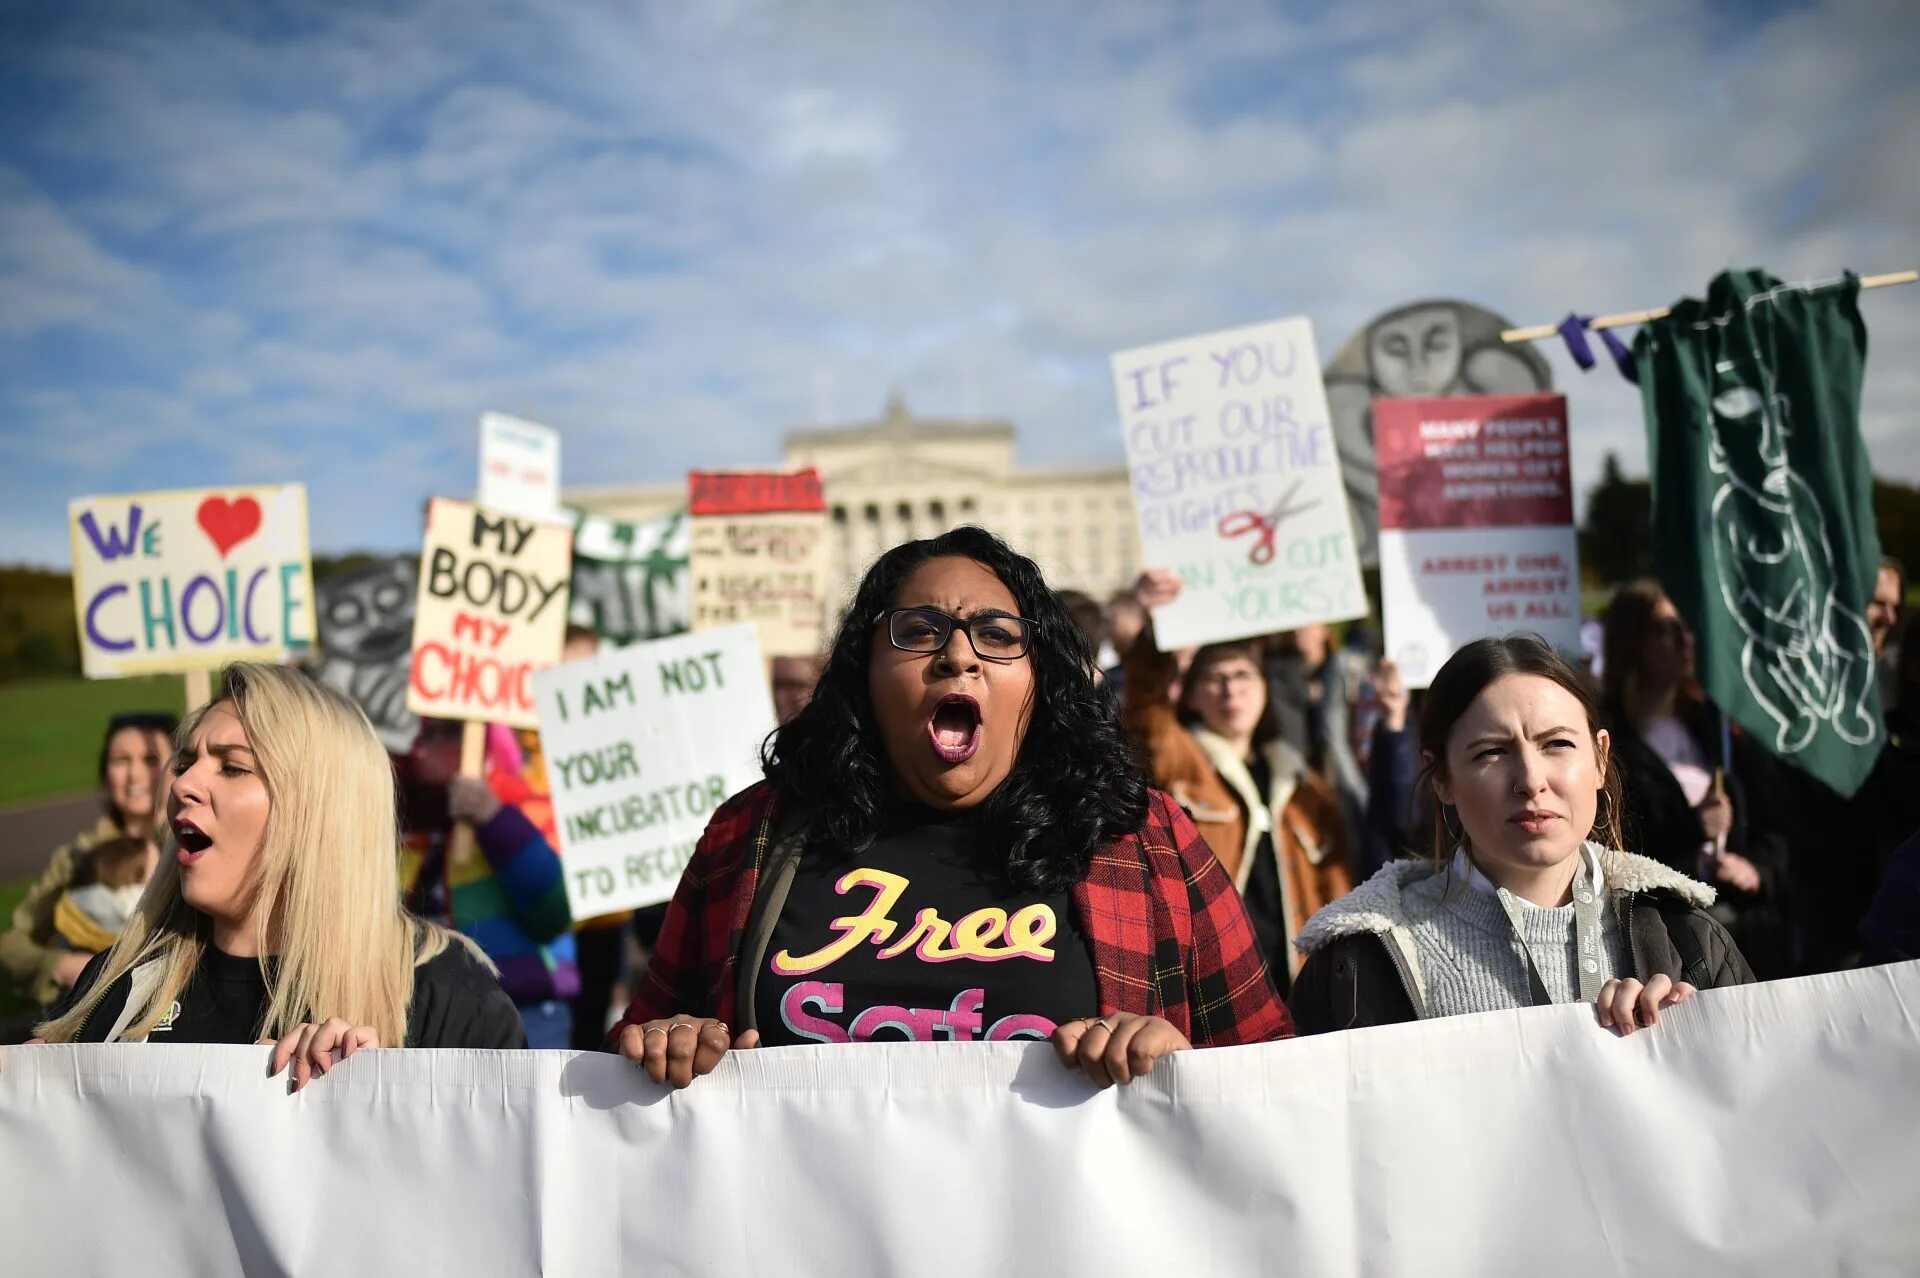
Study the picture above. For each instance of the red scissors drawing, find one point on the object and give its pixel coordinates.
(1242, 522)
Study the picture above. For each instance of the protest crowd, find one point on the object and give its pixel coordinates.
(967, 806)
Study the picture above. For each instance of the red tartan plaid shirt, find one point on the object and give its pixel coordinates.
(1168, 932)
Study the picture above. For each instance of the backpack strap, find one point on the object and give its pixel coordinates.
(785, 835)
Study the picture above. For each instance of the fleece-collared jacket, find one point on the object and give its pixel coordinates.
(1207, 777)
(1168, 934)
(1362, 967)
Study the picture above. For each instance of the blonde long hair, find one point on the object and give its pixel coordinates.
(327, 874)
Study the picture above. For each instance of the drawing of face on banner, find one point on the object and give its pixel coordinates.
(1419, 351)
(366, 637)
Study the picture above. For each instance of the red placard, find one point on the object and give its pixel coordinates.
(754, 492)
(1473, 461)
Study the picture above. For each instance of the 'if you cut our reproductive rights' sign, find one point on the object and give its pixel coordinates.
(1236, 482)
(190, 579)
(642, 744)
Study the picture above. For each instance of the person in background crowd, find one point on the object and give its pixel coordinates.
(507, 892)
(1685, 807)
(275, 910)
(133, 783)
(1393, 766)
(1314, 689)
(1125, 619)
(953, 841)
(1891, 931)
(1883, 814)
(1272, 822)
(107, 882)
(1883, 625)
(793, 681)
(1515, 891)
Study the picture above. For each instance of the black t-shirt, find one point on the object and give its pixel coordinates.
(920, 939)
(457, 1002)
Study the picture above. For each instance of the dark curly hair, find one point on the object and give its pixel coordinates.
(1077, 782)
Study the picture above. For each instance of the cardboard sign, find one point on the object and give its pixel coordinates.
(190, 579)
(1476, 525)
(759, 555)
(492, 609)
(1237, 482)
(520, 468)
(642, 744)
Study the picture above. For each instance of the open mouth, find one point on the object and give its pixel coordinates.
(192, 841)
(954, 728)
(1532, 822)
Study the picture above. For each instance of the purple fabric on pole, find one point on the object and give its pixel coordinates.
(1573, 331)
(1622, 357)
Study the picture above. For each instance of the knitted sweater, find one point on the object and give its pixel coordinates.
(511, 900)
(1471, 956)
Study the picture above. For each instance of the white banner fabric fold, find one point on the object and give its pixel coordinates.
(1765, 1130)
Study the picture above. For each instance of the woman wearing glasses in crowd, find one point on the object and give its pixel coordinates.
(1725, 825)
(953, 843)
(1213, 741)
(1526, 897)
(275, 910)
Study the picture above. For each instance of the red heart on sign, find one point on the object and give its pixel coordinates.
(228, 523)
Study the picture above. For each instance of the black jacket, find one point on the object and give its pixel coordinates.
(1356, 974)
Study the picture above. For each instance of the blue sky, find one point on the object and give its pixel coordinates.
(243, 242)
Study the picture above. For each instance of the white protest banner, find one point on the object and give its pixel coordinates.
(1237, 482)
(190, 579)
(1765, 1130)
(1476, 525)
(759, 554)
(520, 468)
(642, 744)
(492, 609)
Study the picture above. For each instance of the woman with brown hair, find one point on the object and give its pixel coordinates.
(1526, 897)
(1689, 805)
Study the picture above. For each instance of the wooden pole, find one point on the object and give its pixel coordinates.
(1539, 331)
(199, 688)
(473, 758)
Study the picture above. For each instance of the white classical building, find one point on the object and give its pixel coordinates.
(902, 477)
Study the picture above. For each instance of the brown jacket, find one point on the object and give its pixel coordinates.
(28, 955)
(1200, 770)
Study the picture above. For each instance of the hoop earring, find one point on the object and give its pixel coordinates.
(1450, 822)
(1603, 821)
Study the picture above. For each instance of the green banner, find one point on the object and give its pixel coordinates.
(1763, 512)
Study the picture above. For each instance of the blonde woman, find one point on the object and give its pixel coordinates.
(274, 914)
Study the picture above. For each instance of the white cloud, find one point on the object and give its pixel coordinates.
(675, 231)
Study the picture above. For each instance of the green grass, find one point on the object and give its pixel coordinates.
(50, 745)
(11, 1004)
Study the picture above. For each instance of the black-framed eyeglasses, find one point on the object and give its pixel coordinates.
(996, 636)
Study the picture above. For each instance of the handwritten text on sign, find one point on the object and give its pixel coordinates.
(642, 744)
(759, 554)
(1476, 524)
(1237, 483)
(492, 610)
(520, 467)
(190, 580)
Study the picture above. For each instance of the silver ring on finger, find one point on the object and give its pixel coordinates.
(651, 1029)
(680, 1025)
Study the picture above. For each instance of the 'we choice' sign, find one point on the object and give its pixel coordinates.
(190, 579)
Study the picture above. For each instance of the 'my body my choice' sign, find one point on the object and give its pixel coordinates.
(190, 579)
(492, 610)
(642, 744)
